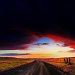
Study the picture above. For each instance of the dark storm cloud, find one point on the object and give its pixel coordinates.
(13, 41)
(16, 38)
(19, 18)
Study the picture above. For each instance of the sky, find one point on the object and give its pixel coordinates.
(37, 28)
(44, 47)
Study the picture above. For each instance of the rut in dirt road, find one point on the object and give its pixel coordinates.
(34, 68)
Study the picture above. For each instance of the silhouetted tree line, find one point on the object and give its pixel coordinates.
(67, 61)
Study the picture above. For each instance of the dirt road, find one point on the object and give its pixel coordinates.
(34, 68)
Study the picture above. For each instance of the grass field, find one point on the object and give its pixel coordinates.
(7, 63)
(59, 62)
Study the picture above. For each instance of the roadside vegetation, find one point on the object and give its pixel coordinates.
(67, 65)
(7, 63)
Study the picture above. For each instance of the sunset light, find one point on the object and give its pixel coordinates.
(42, 48)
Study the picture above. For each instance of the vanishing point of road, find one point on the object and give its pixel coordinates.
(34, 68)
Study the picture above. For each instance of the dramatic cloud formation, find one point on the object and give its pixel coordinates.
(17, 40)
(33, 19)
(66, 40)
(28, 38)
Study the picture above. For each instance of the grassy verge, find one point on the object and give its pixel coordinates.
(70, 68)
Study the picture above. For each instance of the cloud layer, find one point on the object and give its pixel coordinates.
(13, 54)
(14, 41)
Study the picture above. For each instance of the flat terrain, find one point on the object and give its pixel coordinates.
(8, 63)
(34, 68)
(14, 66)
(59, 62)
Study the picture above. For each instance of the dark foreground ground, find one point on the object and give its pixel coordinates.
(34, 68)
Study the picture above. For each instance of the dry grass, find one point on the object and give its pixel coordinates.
(59, 62)
(7, 63)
